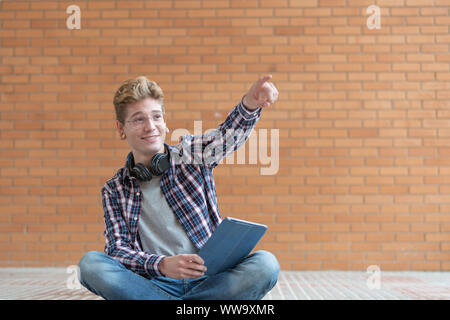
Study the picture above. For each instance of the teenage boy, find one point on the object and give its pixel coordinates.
(161, 207)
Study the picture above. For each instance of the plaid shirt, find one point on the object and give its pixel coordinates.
(187, 185)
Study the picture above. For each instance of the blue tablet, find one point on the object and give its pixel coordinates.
(231, 242)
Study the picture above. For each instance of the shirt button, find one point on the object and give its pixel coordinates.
(135, 218)
(138, 194)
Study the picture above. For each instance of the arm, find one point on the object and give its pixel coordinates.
(119, 246)
(210, 148)
(118, 243)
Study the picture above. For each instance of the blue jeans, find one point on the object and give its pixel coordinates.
(251, 279)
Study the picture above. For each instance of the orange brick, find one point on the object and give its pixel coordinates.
(363, 145)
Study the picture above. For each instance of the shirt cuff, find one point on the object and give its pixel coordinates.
(152, 265)
(246, 113)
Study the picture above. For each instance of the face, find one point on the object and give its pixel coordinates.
(144, 129)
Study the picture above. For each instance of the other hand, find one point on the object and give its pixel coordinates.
(183, 266)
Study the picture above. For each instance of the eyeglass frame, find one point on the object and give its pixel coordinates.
(145, 120)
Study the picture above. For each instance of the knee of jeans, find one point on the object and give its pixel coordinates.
(89, 264)
(268, 266)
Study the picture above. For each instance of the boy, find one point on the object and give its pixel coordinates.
(161, 207)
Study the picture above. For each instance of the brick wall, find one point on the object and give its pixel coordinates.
(363, 120)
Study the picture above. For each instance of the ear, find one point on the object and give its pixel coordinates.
(121, 130)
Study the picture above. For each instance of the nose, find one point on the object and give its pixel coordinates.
(149, 124)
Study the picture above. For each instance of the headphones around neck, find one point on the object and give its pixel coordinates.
(158, 165)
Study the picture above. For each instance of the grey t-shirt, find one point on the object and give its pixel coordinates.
(159, 229)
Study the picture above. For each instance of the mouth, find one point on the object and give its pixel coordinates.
(150, 138)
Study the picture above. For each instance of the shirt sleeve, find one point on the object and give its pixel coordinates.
(210, 148)
(119, 244)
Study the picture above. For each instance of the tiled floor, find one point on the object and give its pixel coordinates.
(59, 284)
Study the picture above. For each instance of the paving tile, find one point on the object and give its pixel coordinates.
(57, 284)
(343, 285)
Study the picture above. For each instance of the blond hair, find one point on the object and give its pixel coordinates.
(133, 90)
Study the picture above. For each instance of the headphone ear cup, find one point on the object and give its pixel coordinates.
(141, 172)
(159, 164)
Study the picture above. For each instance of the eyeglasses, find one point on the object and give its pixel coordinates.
(140, 121)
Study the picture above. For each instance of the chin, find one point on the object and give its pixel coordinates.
(154, 148)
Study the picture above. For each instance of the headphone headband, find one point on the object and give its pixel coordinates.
(159, 164)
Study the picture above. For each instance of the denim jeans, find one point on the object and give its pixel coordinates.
(251, 279)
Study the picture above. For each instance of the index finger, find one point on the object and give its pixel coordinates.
(261, 81)
(196, 258)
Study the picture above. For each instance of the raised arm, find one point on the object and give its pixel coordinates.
(210, 148)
